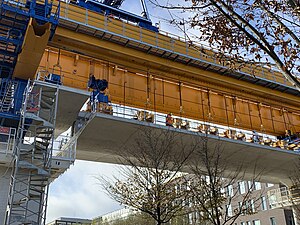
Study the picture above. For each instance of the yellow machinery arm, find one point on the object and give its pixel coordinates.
(35, 42)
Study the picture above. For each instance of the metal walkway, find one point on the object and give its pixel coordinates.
(168, 47)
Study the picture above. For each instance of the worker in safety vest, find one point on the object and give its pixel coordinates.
(169, 120)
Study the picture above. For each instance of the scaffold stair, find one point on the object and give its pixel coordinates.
(13, 28)
(8, 97)
(32, 171)
(14, 20)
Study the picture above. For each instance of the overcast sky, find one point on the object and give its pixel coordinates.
(76, 192)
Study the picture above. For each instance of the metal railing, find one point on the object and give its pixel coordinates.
(202, 114)
(7, 139)
(61, 148)
(210, 128)
(51, 13)
(284, 197)
(68, 143)
(32, 105)
(64, 148)
(163, 40)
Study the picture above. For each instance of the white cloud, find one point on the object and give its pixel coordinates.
(77, 194)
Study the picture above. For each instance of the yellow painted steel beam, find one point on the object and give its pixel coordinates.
(88, 20)
(35, 42)
(141, 61)
(159, 93)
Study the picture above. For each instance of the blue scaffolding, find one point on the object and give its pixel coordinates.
(14, 19)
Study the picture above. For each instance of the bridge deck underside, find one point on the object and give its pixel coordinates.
(105, 136)
(70, 101)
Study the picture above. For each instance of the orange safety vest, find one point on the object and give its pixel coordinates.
(169, 120)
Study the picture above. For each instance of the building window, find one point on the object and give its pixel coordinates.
(230, 190)
(272, 201)
(190, 218)
(256, 222)
(241, 208)
(272, 221)
(207, 179)
(263, 203)
(242, 223)
(257, 185)
(269, 185)
(242, 187)
(252, 205)
(248, 223)
(291, 220)
(250, 185)
(222, 190)
(229, 210)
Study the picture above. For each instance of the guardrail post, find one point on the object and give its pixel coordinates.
(186, 48)
(273, 75)
(86, 17)
(105, 22)
(141, 34)
(66, 10)
(262, 72)
(172, 41)
(123, 28)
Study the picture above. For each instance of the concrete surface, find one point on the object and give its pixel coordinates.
(5, 174)
(105, 136)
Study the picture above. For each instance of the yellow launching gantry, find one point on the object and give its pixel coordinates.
(146, 70)
(159, 72)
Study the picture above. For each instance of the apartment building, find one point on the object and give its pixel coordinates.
(260, 211)
(70, 221)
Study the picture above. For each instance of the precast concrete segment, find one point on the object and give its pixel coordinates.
(106, 135)
(70, 101)
(69, 104)
(5, 175)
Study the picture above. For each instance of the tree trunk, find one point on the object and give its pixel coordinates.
(296, 213)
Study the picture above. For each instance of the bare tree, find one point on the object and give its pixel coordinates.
(154, 161)
(220, 194)
(260, 32)
(136, 219)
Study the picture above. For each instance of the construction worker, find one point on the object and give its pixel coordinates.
(255, 136)
(288, 135)
(169, 120)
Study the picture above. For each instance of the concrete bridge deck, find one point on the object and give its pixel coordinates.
(105, 136)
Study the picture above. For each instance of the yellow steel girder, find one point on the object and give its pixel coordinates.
(162, 40)
(140, 61)
(162, 94)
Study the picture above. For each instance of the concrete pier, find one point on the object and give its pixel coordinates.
(5, 174)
